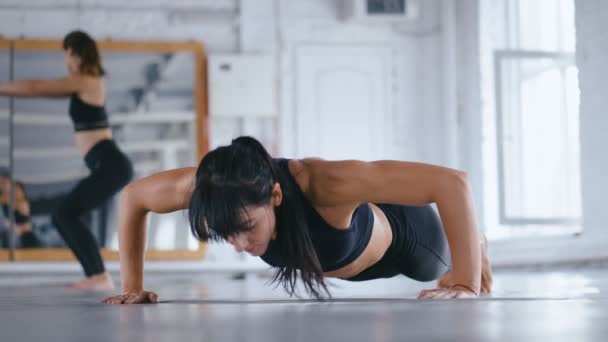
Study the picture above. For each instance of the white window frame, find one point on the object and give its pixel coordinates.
(566, 60)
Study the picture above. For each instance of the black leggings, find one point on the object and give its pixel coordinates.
(111, 170)
(419, 249)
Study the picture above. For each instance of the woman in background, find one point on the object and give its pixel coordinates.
(23, 226)
(110, 169)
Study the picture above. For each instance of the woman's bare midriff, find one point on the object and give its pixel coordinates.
(381, 239)
(85, 140)
(93, 94)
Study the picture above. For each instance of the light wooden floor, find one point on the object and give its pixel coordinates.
(526, 306)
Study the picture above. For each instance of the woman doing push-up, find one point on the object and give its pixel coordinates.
(314, 219)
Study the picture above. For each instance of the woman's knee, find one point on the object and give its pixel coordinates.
(64, 214)
(428, 264)
(430, 273)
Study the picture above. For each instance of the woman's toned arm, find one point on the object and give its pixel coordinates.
(42, 88)
(407, 183)
(163, 192)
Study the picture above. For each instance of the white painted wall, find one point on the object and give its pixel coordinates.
(592, 51)
(462, 93)
(416, 72)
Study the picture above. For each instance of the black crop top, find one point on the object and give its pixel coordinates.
(19, 218)
(85, 116)
(335, 248)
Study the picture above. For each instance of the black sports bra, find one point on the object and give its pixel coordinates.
(87, 117)
(19, 218)
(335, 248)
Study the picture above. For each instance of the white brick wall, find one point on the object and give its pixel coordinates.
(251, 26)
(213, 22)
(150, 4)
(592, 54)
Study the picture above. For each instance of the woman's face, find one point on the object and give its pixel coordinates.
(262, 224)
(19, 193)
(5, 190)
(72, 62)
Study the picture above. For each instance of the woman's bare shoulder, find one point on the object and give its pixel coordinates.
(303, 169)
(299, 172)
(318, 179)
(301, 166)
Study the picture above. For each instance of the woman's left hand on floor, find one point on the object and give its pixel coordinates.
(446, 293)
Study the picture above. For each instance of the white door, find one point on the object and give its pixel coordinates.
(342, 98)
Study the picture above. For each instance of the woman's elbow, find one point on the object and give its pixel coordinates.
(456, 181)
(128, 196)
(462, 178)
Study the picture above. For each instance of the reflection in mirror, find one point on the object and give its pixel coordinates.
(4, 150)
(150, 105)
(150, 98)
(40, 166)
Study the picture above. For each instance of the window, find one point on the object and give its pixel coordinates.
(531, 145)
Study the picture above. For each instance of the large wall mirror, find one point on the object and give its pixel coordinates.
(157, 105)
(5, 104)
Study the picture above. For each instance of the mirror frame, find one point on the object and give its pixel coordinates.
(201, 108)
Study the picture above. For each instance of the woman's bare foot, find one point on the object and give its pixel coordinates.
(486, 271)
(100, 282)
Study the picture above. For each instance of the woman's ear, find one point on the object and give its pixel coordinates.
(277, 195)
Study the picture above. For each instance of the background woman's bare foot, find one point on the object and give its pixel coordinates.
(486, 271)
(99, 282)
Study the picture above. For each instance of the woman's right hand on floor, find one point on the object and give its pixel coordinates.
(140, 297)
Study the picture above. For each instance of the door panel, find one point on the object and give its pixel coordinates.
(342, 101)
